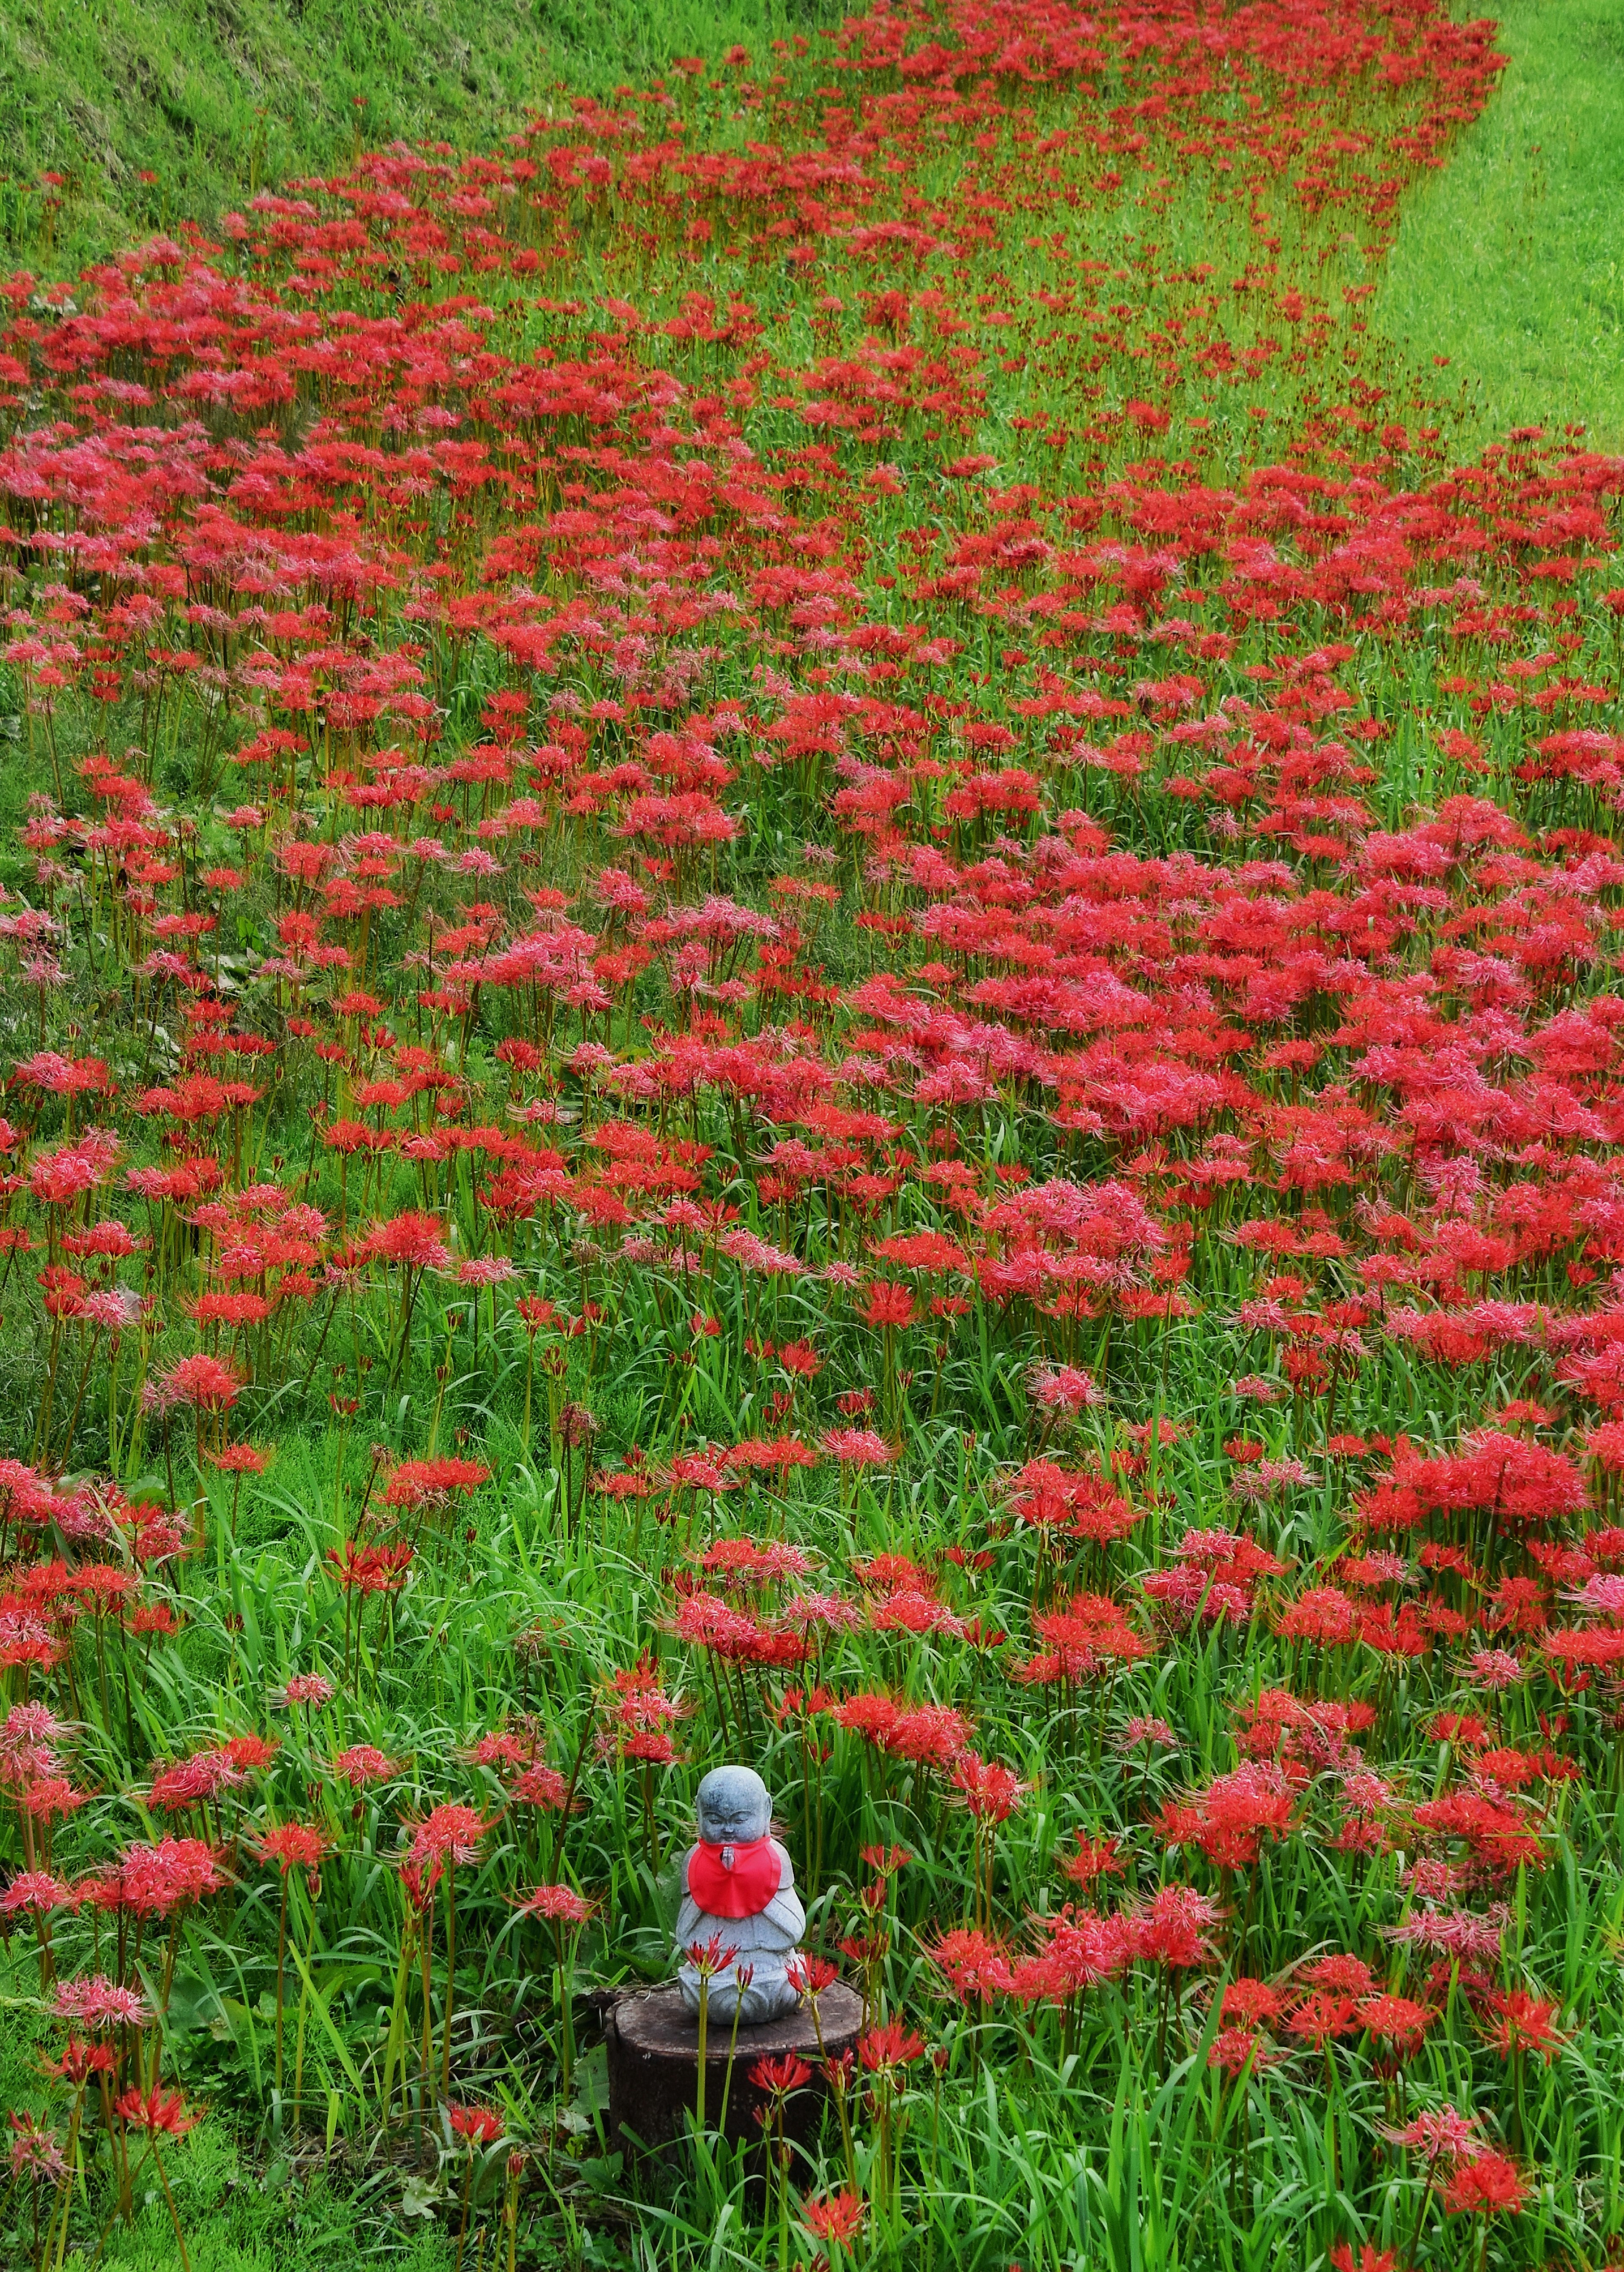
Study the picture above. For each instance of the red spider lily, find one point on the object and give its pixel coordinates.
(886, 2050)
(1253, 2003)
(1488, 2184)
(480, 2125)
(1238, 2051)
(294, 1846)
(156, 1881)
(836, 2217)
(35, 2150)
(449, 1834)
(976, 1968)
(989, 1790)
(1231, 1816)
(1094, 1859)
(810, 1975)
(1523, 2022)
(204, 1382)
(710, 1957)
(779, 2078)
(432, 1483)
(155, 2113)
(1396, 2019)
(100, 2004)
(307, 1688)
(81, 2060)
(371, 1569)
(559, 1904)
(363, 1763)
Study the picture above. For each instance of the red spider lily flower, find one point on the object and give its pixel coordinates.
(857, 1447)
(989, 1790)
(779, 2078)
(364, 1763)
(810, 1975)
(34, 2150)
(710, 1957)
(540, 1785)
(241, 1460)
(1370, 2259)
(889, 1307)
(1239, 2050)
(1174, 1928)
(1396, 2019)
(207, 1383)
(156, 1881)
(1523, 2021)
(501, 1747)
(928, 1734)
(308, 1688)
(35, 1892)
(423, 1483)
(1236, 1811)
(890, 2048)
(559, 1904)
(480, 2125)
(155, 2113)
(1322, 2016)
(100, 2004)
(1442, 2134)
(1094, 1859)
(409, 1242)
(1253, 2003)
(977, 1968)
(371, 1569)
(248, 1755)
(449, 1833)
(1487, 2184)
(1062, 1389)
(836, 2217)
(294, 1846)
(81, 2060)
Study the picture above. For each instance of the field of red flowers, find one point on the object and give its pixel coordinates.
(810, 955)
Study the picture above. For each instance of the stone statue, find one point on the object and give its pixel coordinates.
(738, 1889)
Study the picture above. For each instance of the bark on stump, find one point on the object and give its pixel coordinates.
(653, 2066)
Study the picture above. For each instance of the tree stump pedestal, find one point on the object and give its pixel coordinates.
(653, 2066)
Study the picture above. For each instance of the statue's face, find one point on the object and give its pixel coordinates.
(734, 1807)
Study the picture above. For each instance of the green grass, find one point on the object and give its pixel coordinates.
(214, 100)
(1511, 261)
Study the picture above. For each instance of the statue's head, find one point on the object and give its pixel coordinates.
(734, 1807)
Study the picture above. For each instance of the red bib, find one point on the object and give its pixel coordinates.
(735, 1881)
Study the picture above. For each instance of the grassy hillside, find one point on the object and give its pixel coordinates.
(155, 110)
(1509, 260)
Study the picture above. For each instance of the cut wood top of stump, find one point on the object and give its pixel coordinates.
(654, 2023)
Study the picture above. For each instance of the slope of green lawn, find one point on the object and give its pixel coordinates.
(1510, 262)
(156, 110)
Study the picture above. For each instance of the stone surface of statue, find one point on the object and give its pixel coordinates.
(738, 1889)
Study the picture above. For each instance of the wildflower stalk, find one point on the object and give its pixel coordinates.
(175, 2215)
(703, 2027)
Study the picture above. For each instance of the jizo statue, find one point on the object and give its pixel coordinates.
(739, 1894)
